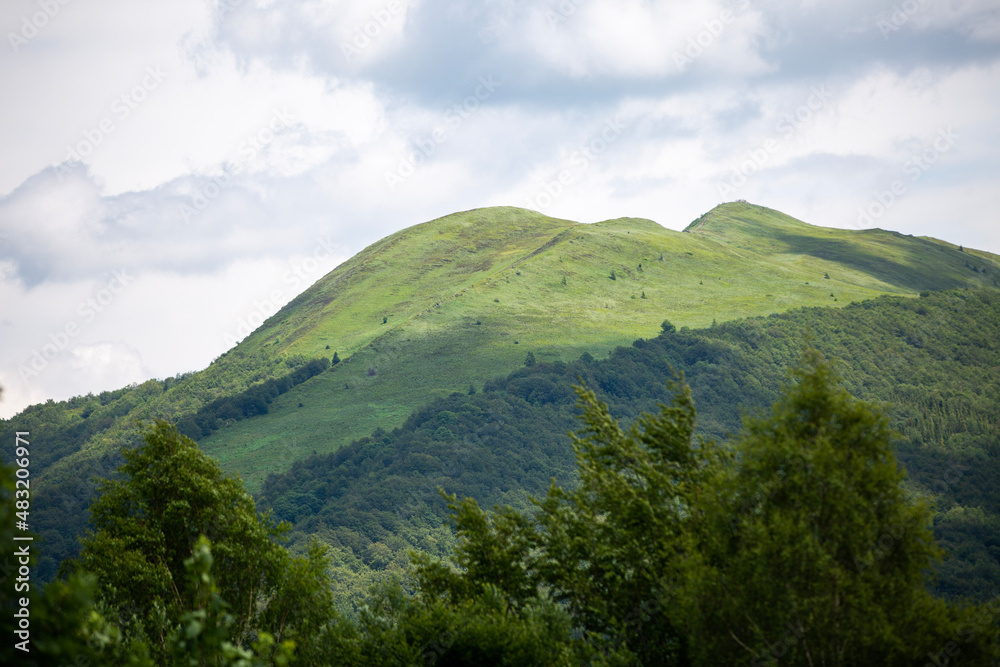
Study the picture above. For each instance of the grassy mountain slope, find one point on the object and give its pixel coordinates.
(932, 362)
(467, 296)
(871, 257)
(451, 303)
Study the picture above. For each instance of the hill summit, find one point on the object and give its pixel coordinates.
(448, 304)
(444, 305)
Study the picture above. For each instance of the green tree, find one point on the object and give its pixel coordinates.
(202, 635)
(336, 359)
(615, 550)
(667, 327)
(493, 551)
(797, 542)
(147, 526)
(815, 554)
(529, 360)
(64, 626)
(399, 629)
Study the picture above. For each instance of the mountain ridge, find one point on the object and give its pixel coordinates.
(468, 287)
(446, 305)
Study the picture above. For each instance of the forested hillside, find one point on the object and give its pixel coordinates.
(794, 540)
(933, 362)
(80, 440)
(453, 303)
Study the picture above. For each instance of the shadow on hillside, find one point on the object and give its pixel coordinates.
(913, 275)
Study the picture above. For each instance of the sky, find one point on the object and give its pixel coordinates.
(173, 172)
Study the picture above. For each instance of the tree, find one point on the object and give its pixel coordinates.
(614, 551)
(796, 542)
(63, 626)
(816, 554)
(335, 360)
(202, 635)
(529, 360)
(147, 526)
(398, 629)
(667, 327)
(617, 549)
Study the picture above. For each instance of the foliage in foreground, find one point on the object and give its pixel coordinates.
(672, 550)
(187, 567)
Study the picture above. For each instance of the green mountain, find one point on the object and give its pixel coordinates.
(932, 363)
(449, 304)
(465, 297)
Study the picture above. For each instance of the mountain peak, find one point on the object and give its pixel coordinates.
(744, 215)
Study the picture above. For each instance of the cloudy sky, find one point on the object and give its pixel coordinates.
(171, 171)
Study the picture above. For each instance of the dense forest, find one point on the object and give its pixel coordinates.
(932, 362)
(725, 498)
(60, 502)
(670, 549)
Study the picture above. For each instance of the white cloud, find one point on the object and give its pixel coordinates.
(92, 336)
(633, 38)
(261, 137)
(108, 364)
(979, 19)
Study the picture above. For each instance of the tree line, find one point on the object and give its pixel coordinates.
(670, 550)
